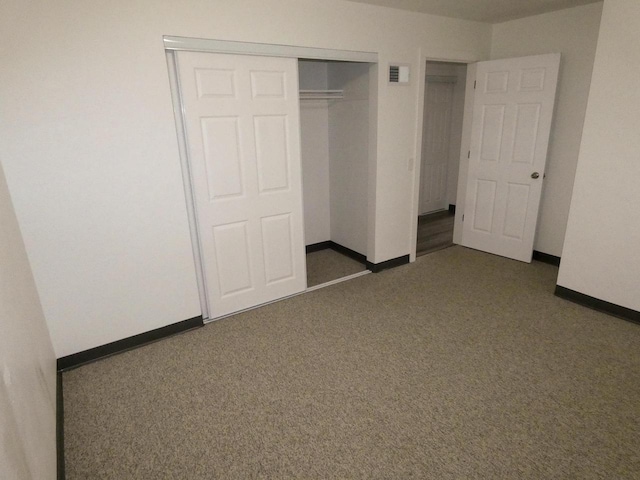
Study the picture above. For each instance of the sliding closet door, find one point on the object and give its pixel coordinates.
(242, 122)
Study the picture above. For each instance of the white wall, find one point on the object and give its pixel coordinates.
(574, 33)
(27, 362)
(314, 139)
(90, 150)
(601, 255)
(349, 155)
(313, 75)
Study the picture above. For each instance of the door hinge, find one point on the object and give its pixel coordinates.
(463, 217)
(474, 84)
(469, 154)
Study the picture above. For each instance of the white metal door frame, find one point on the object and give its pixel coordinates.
(181, 134)
(173, 44)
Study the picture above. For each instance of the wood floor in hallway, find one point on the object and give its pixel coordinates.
(435, 232)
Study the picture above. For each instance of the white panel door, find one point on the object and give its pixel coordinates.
(512, 114)
(435, 146)
(243, 133)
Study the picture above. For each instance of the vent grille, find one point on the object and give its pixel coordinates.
(394, 74)
(399, 74)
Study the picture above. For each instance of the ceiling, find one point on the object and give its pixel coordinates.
(490, 11)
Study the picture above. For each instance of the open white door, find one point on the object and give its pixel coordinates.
(512, 114)
(241, 115)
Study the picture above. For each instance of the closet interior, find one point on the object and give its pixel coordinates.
(334, 124)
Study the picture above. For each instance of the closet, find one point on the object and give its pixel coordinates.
(276, 155)
(334, 126)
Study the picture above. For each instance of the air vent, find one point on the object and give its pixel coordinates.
(399, 74)
(394, 73)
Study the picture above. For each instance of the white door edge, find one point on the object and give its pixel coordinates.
(465, 147)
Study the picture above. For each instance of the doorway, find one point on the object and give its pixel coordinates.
(505, 137)
(443, 114)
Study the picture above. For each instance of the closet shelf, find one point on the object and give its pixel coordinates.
(321, 94)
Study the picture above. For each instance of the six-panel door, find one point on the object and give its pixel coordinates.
(512, 114)
(242, 123)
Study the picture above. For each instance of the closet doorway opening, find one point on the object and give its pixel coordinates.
(337, 101)
(444, 101)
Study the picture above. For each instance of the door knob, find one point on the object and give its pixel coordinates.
(535, 175)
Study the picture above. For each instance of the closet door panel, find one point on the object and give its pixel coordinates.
(242, 122)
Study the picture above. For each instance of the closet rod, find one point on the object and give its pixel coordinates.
(321, 94)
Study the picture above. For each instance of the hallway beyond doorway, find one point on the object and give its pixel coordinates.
(435, 232)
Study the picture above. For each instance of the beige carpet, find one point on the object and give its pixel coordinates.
(462, 365)
(326, 265)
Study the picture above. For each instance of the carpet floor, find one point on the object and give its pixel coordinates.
(326, 265)
(462, 365)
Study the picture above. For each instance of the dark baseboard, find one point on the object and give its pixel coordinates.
(93, 354)
(59, 428)
(349, 253)
(597, 304)
(374, 267)
(316, 247)
(452, 209)
(546, 258)
(394, 262)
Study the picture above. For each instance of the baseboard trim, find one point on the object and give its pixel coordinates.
(316, 247)
(597, 304)
(546, 258)
(358, 257)
(374, 267)
(452, 209)
(59, 428)
(119, 346)
(394, 262)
